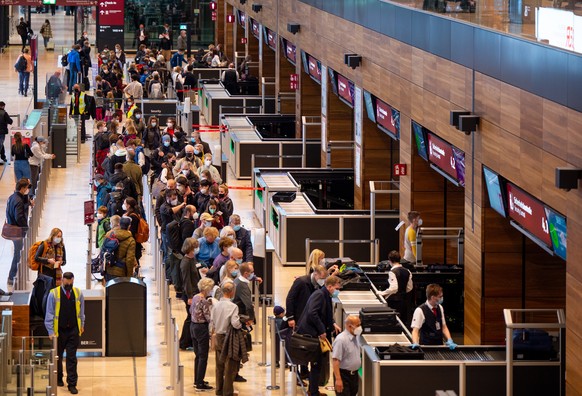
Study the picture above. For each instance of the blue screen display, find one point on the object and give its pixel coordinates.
(494, 191)
(420, 137)
(558, 232)
(370, 106)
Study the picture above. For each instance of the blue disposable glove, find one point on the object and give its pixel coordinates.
(414, 346)
(451, 344)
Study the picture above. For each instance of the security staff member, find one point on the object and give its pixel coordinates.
(347, 358)
(400, 286)
(80, 108)
(428, 322)
(65, 319)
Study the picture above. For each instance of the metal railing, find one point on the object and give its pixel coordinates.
(345, 145)
(307, 121)
(380, 188)
(440, 233)
(374, 248)
(23, 275)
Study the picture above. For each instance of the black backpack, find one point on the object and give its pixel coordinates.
(65, 60)
(129, 189)
(114, 206)
(145, 168)
(21, 64)
(174, 235)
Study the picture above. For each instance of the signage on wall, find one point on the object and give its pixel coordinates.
(399, 170)
(345, 89)
(256, 28)
(213, 16)
(89, 212)
(528, 212)
(291, 51)
(358, 115)
(294, 82)
(558, 28)
(110, 20)
(447, 157)
(243, 40)
(315, 69)
(358, 166)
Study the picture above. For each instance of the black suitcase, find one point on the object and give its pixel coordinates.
(379, 320)
(399, 352)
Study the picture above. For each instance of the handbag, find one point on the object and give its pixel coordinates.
(324, 345)
(13, 232)
(303, 349)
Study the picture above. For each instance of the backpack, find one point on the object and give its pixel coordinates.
(145, 168)
(174, 235)
(54, 88)
(143, 231)
(156, 91)
(108, 254)
(65, 60)
(21, 64)
(129, 189)
(21, 30)
(32, 263)
(114, 206)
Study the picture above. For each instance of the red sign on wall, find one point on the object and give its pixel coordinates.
(89, 212)
(213, 16)
(399, 170)
(441, 154)
(529, 212)
(243, 40)
(384, 116)
(111, 12)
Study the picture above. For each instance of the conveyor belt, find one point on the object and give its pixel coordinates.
(467, 355)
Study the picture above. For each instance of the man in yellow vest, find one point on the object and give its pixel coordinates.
(80, 108)
(65, 319)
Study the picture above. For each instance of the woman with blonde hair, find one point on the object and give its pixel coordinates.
(51, 256)
(317, 257)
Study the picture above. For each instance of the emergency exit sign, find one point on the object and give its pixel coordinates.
(399, 169)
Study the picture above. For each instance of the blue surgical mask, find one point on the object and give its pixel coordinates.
(335, 293)
(167, 144)
(440, 301)
(238, 261)
(196, 152)
(236, 228)
(234, 274)
(193, 140)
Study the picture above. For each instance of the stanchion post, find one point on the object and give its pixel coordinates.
(264, 332)
(256, 290)
(179, 390)
(173, 353)
(282, 365)
(293, 379)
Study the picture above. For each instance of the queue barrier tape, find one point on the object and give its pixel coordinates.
(246, 188)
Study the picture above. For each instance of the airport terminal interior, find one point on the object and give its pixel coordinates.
(346, 117)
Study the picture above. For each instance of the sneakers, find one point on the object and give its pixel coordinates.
(10, 285)
(239, 378)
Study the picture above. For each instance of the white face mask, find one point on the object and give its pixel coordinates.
(154, 124)
(207, 162)
(174, 202)
(208, 223)
(185, 172)
(195, 216)
(196, 251)
(170, 125)
(175, 139)
(358, 331)
(124, 206)
(419, 222)
(57, 240)
(100, 216)
(321, 282)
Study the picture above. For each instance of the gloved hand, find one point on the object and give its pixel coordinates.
(414, 346)
(451, 344)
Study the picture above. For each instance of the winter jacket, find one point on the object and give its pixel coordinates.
(125, 253)
(74, 59)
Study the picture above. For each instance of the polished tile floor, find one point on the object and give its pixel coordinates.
(67, 190)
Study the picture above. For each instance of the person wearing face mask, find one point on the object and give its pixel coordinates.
(137, 118)
(131, 209)
(209, 249)
(243, 237)
(103, 225)
(178, 140)
(186, 168)
(410, 236)
(101, 145)
(51, 256)
(205, 221)
(188, 154)
(185, 192)
(159, 156)
(200, 317)
(152, 136)
(317, 321)
(133, 90)
(227, 231)
(170, 210)
(38, 156)
(428, 322)
(190, 277)
(225, 246)
(225, 203)
(167, 166)
(17, 219)
(80, 108)
(108, 76)
(188, 222)
(202, 196)
(196, 139)
(399, 292)
(171, 127)
(211, 168)
(347, 357)
(65, 319)
(212, 209)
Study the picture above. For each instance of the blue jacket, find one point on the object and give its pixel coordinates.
(208, 252)
(317, 317)
(177, 60)
(102, 191)
(17, 210)
(74, 59)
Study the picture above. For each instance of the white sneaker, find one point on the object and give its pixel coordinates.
(10, 286)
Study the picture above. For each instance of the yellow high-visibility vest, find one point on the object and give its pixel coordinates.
(57, 294)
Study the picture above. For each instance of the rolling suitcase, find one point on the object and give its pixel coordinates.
(50, 46)
(379, 320)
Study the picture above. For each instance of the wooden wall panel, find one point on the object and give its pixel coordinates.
(228, 39)
(573, 333)
(574, 147)
(473, 318)
(285, 71)
(531, 118)
(310, 102)
(268, 68)
(493, 324)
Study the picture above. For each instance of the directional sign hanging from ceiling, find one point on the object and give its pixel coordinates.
(110, 19)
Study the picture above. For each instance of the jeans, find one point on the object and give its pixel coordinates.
(46, 40)
(23, 78)
(18, 244)
(72, 79)
(200, 342)
(21, 169)
(2, 149)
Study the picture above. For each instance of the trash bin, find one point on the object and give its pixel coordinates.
(126, 318)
